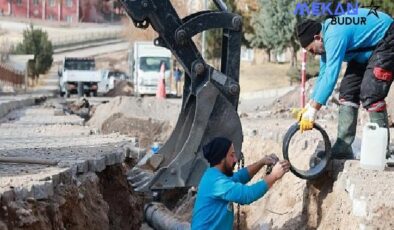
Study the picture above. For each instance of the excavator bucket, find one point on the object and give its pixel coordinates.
(210, 96)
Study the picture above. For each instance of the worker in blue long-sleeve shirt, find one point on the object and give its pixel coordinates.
(368, 48)
(219, 188)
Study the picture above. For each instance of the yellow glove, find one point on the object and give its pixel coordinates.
(306, 118)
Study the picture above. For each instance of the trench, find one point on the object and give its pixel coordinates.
(92, 201)
(105, 200)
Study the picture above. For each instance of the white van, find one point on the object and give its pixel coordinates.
(145, 60)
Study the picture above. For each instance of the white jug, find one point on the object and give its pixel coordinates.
(373, 147)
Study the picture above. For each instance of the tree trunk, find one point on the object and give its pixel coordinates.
(294, 49)
(269, 54)
(293, 61)
(36, 79)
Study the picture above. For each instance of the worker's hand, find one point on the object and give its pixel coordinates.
(270, 159)
(280, 169)
(306, 118)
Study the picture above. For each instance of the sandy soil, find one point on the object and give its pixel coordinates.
(291, 203)
(122, 88)
(148, 119)
(264, 76)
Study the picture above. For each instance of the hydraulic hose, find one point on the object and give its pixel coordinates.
(319, 168)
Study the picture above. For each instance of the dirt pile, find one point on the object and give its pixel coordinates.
(293, 203)
(148, 119)
(122, 88)
(147, 131)
(346, 197)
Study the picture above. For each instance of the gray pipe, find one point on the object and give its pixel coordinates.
(160, 218)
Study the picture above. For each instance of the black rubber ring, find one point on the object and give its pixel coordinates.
(316, 171)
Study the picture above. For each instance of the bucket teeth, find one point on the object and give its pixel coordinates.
(138, 186)
(139, 178)
(136, 177)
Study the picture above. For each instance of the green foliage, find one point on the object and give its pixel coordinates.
(274, 25)
(35, 41)
(294, 74)
(247, 28)
(312, 69)
(386, 6)
(214, 41)
(214, 37)
(263, 37)
(312, 66)
(214, 44)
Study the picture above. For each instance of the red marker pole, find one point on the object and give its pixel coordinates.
(303, 78)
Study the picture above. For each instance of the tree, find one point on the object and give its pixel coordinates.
(214, 42)
(274, 25)
(5, 49)
(35, 41)
(259, 38)
(214, 37)
(388, 7)
(249, 8)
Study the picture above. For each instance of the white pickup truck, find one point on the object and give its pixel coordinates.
(145, 60)
(109, 78)
(79, 75)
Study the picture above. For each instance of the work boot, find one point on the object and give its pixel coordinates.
(347, 125)
(381, 119)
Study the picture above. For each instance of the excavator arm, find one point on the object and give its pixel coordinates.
(210, 96)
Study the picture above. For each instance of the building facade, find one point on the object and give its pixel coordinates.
(70, 11)
(56, 10)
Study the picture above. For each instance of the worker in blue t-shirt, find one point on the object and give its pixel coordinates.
(368, 48)
(220, 187)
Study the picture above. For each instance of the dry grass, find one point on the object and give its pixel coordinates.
(263, 76)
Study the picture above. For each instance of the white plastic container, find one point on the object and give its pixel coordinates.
(373, 147)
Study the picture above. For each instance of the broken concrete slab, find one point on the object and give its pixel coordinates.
(42, 190)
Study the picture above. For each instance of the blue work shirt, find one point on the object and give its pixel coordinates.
(213, 208)
(338, 39)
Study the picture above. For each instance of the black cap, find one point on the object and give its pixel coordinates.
(307, 30)
(216, 150)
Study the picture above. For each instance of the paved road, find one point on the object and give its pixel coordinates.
(58, 32)
(46, 132)
(94, 51)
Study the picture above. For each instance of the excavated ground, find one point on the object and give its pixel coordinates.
(86, 187)
(94, 194)
(340, 198)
